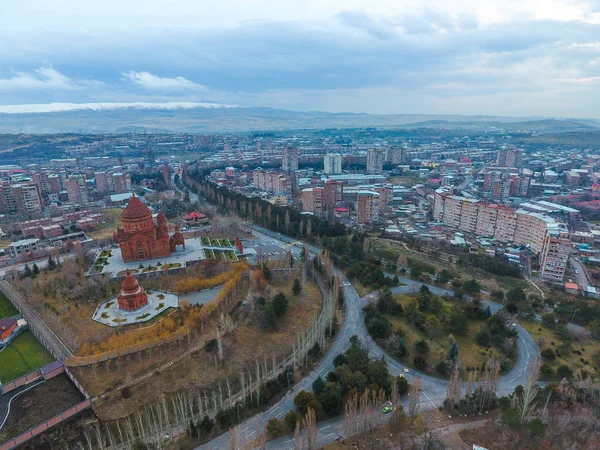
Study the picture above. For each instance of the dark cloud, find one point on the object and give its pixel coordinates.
(427, 53)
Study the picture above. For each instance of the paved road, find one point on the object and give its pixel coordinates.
(581, 277)
(36, 324)
(433, 390)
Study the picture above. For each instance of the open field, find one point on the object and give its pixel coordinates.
(23, 355)
(106, 230)
(6, 307)
(39, 404)
(472, 355)
(580, 356)
(388, 249)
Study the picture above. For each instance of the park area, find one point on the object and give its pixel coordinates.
(22, 356)
(428, 332)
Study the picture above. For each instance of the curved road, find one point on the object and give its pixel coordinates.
(433, 390)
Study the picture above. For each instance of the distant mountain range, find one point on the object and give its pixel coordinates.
(213, 117)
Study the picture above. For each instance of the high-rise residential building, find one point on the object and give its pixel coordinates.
(511, 157)
(122, 183)
(101, 179)
(20, 198)
(520, 186)
(312, 200)
(386, 196)
(332, 164)
(270, 181)
(332, 194)
(77, 189)
(555, 255)
(395, 155)
(367, 203)
(375, 159)
(501, 189)
(289, 160)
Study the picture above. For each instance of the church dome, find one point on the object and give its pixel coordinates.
(136, 210)
(130, 284)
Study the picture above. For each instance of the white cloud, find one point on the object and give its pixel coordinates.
(153, 82)
(40, 79)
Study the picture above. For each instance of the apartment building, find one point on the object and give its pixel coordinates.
(289, 159)
(121, 182)
(270, 181)
(501, 189)
(395, 155)
(312, 200)
(77, 189)
(511, 157)
(531, 229)
(386, 196)
(555, 255)
(20, 198)
(375, 159)
(332, 164)
(332, 194)
(367, 206)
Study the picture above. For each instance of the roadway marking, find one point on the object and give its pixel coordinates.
(324, 428)
(327, 435)
(287, 442)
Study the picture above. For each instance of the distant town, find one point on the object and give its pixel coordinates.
(233, 290)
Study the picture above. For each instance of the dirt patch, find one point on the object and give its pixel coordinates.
(39, 404)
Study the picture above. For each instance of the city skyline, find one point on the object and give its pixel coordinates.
(523, 58)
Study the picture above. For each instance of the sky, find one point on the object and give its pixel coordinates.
(516, 58)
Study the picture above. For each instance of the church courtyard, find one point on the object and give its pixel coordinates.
(110, 314)
(110, 261)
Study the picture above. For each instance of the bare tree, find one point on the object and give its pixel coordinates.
(414, 398)
(453, 389)
(310, 432)
(525, 403)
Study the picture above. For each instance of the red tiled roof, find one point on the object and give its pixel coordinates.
(135, 210)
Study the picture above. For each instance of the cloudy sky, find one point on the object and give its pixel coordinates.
(509, 57)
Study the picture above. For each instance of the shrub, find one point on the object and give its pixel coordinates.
(339, 360)
(402, 385)
(420, 362)
(422, 347)
(280, 304)
(276, 428)
(546, 370)
(302, 400)
(291, 419)
(379, 328)
(126, 392)
(482, 338)
(548, 354)
(318, 386)
(564, 372)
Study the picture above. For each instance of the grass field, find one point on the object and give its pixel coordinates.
(471, 354)
(391, 250)
(6, 308)
(113, 221)
(23, 355)
(581, 355)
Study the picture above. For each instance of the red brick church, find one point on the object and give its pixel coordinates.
(144, 236)
(133, 295)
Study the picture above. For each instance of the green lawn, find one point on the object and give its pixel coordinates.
(23, 355)
(6, 308)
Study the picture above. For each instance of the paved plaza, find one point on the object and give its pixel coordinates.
(108, 312)
(195, 250)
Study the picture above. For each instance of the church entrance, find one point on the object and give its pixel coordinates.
(140, 255)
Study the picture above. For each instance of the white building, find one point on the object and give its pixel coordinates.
(332, 164)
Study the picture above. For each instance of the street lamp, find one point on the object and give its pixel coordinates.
(238, 410)
(288, 378)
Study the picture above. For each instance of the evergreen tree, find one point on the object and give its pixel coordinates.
(28, 272)
(453, 352)
(51, 263)
(36, 269)
(297, 287)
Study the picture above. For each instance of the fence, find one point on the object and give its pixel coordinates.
(47, 372)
